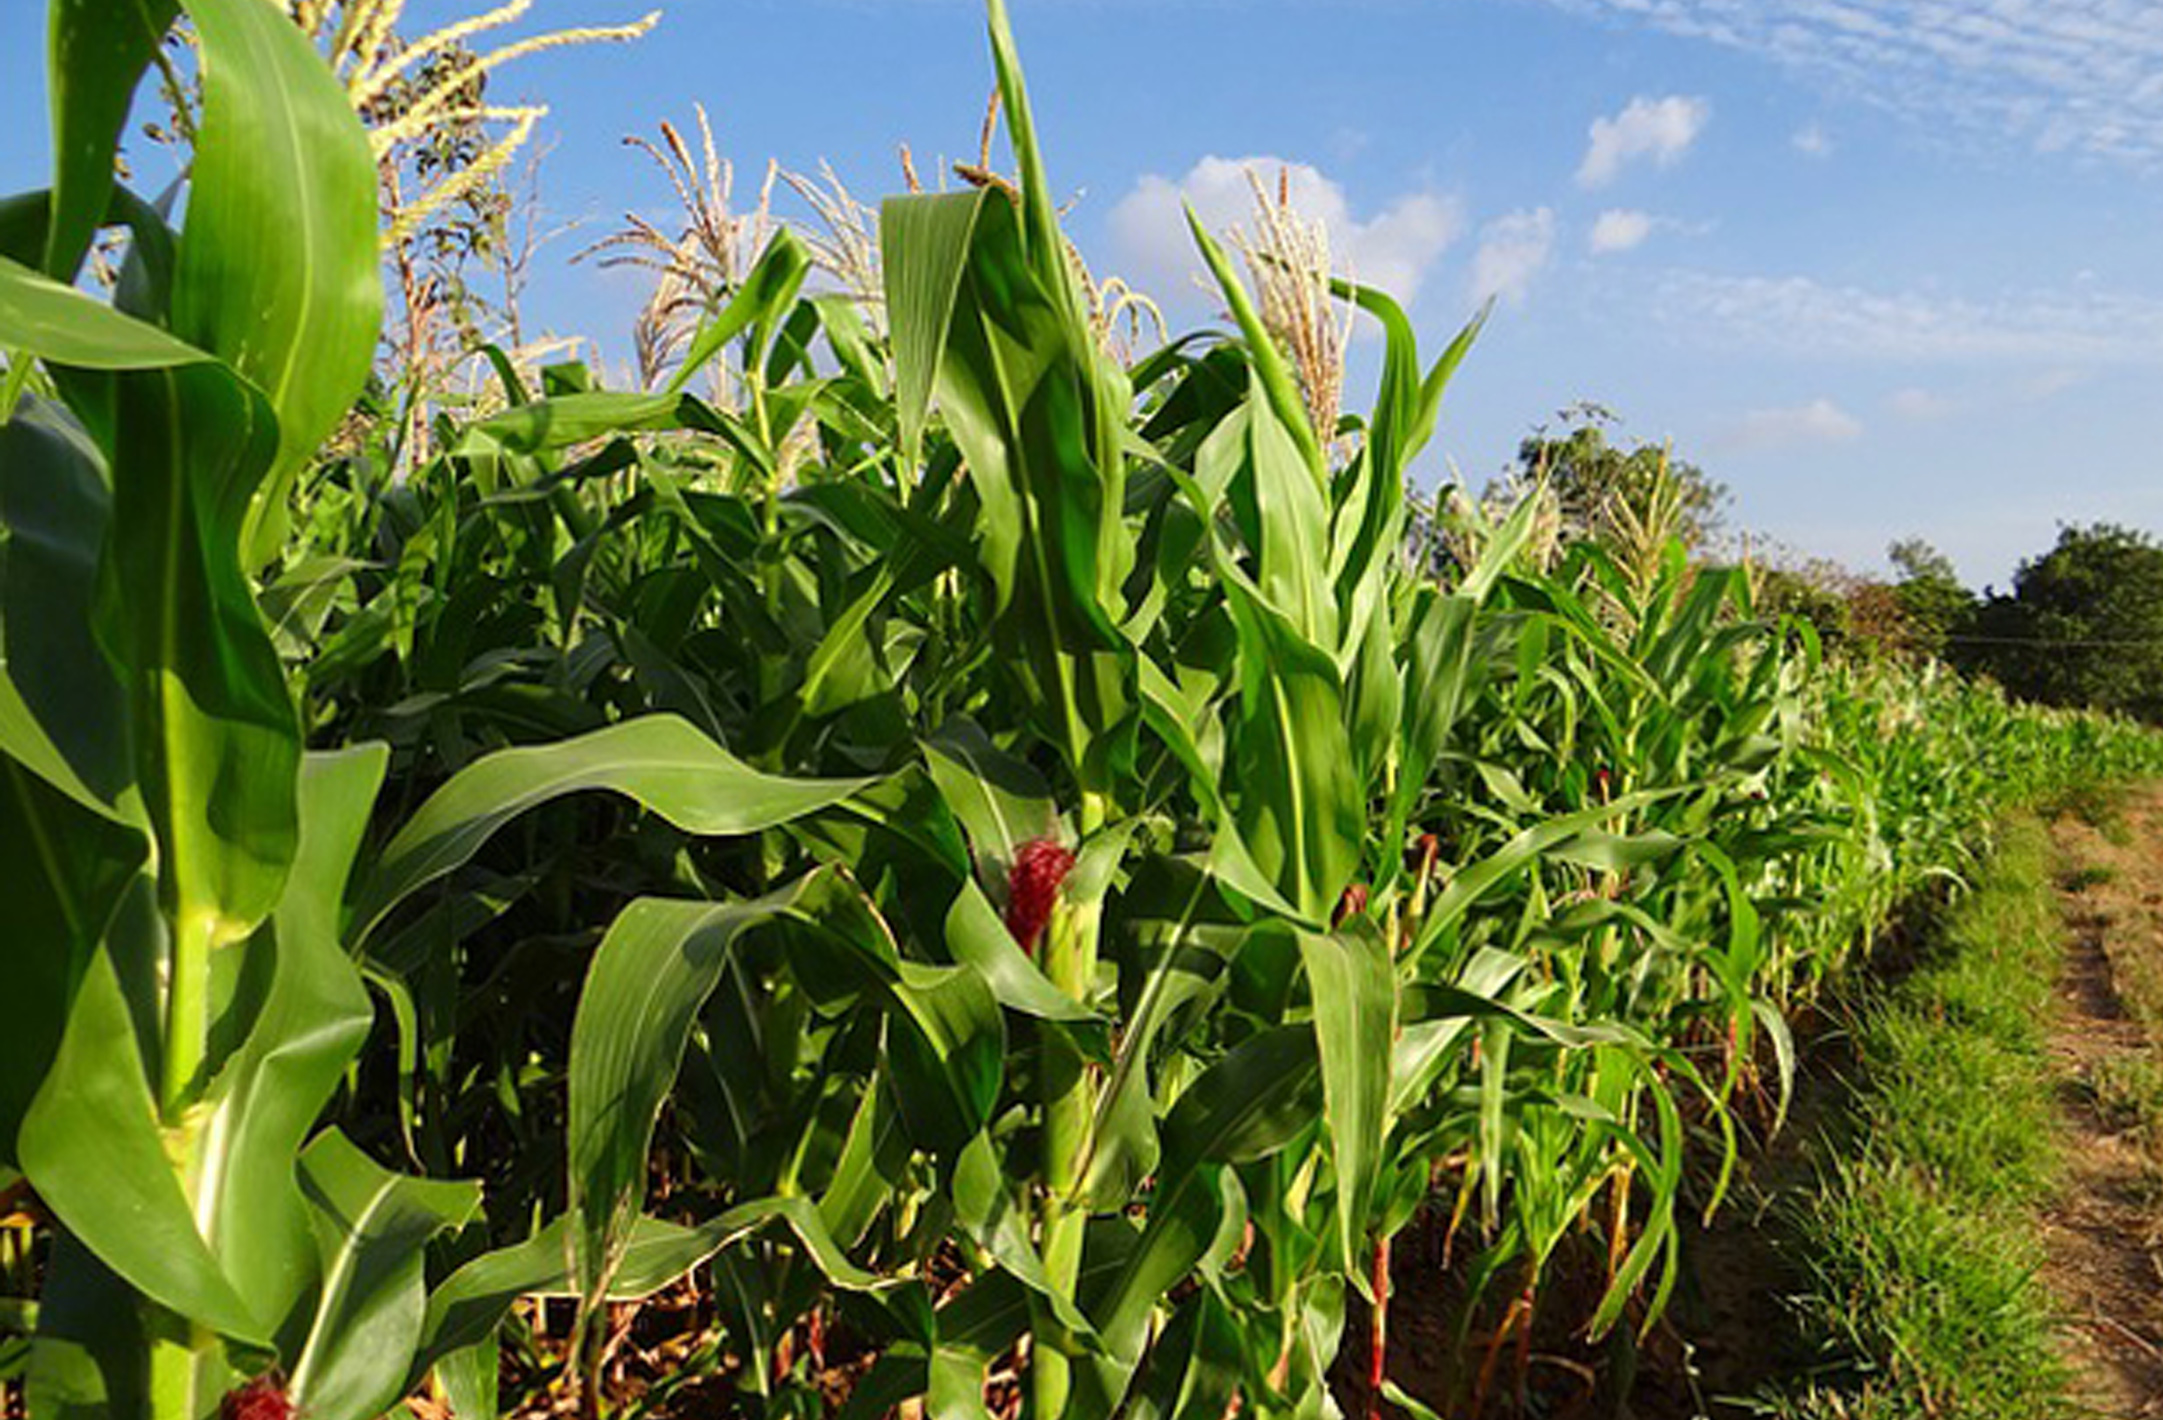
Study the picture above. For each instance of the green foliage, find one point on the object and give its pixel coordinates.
(1596, 480)
(1917, 1248)
(585, 861)
(2083, 624)
(1934, 605)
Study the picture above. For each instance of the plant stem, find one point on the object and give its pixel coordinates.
(179, 1354)
(187, 1008)
(1378, 1333)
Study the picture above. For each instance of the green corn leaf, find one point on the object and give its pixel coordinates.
(1184, 966)
(1355, 1029)
(1018, 379)
(1466, 886)
(1434, 1036)
(654, 971)
(1494, 1068)
(848, 665)
(924, 249)
(985, 1205)
(1282, 513)
(1185, 1217)
(1617, 853)
(660, 761)
(213, 724)
(217, 744)
(277, 269)
(1270, 368)
(313, 1019)
(472, 1380)
(648, 982)
(64, 764)
(767, 292)
(372, 1232)
(66, 868)
(1374, 689)
(87, 1361)
(1295, 794)
(59, 323)
(551, 425)
(978, 937)
(948, 1043)
(660, 1253)
(1040, 213)
(1663, 1171)
(1440, 676)
(1249, 1105)
(25, 217)
(1395, 1395)
(1001, 800)
(1434, 1002)
(869, 1171)
(98, 52)
(1438, 378)
(93, 1146)
(1501, 552)
(1196, 1366)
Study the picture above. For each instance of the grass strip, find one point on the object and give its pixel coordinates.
(1916, 1249)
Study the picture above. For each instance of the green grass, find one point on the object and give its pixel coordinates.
(1915, 1246)
(2098, 803)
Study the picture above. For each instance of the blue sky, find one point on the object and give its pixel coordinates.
(1884, 267)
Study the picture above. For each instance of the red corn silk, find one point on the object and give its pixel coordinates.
(1032, 887)
(1351, 904)
(260, 1399)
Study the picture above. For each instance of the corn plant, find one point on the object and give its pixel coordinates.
(953, 838)
(194, 1012)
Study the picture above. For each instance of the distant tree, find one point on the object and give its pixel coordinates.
(1808, 592)
(2083, 625)
(1860, 615)
(1933, 605)
(1593, 478)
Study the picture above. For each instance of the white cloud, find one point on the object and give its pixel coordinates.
(1393, 249)
(2077, 76)
(1799, 316)
(2049, 384)
(1813, 141)
(1512, 250)
(1619, 229)
(1659, 129)
(1818, 422)
(1921, 405)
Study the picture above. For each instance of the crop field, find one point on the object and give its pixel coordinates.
(920, 860)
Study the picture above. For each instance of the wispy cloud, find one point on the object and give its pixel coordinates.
(1393, 248)
(1763, 430)
(1619, 229)
(1512, 251)
(2049, 384)
(1798, 315)
(1659, 129)
(2083, 76)
(1920, 405)
(1812, 141)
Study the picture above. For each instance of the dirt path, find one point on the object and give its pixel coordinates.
(2103, 1232)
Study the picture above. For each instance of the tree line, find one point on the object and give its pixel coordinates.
(2080, 625)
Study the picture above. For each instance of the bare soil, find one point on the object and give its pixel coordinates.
(2103, 1230)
